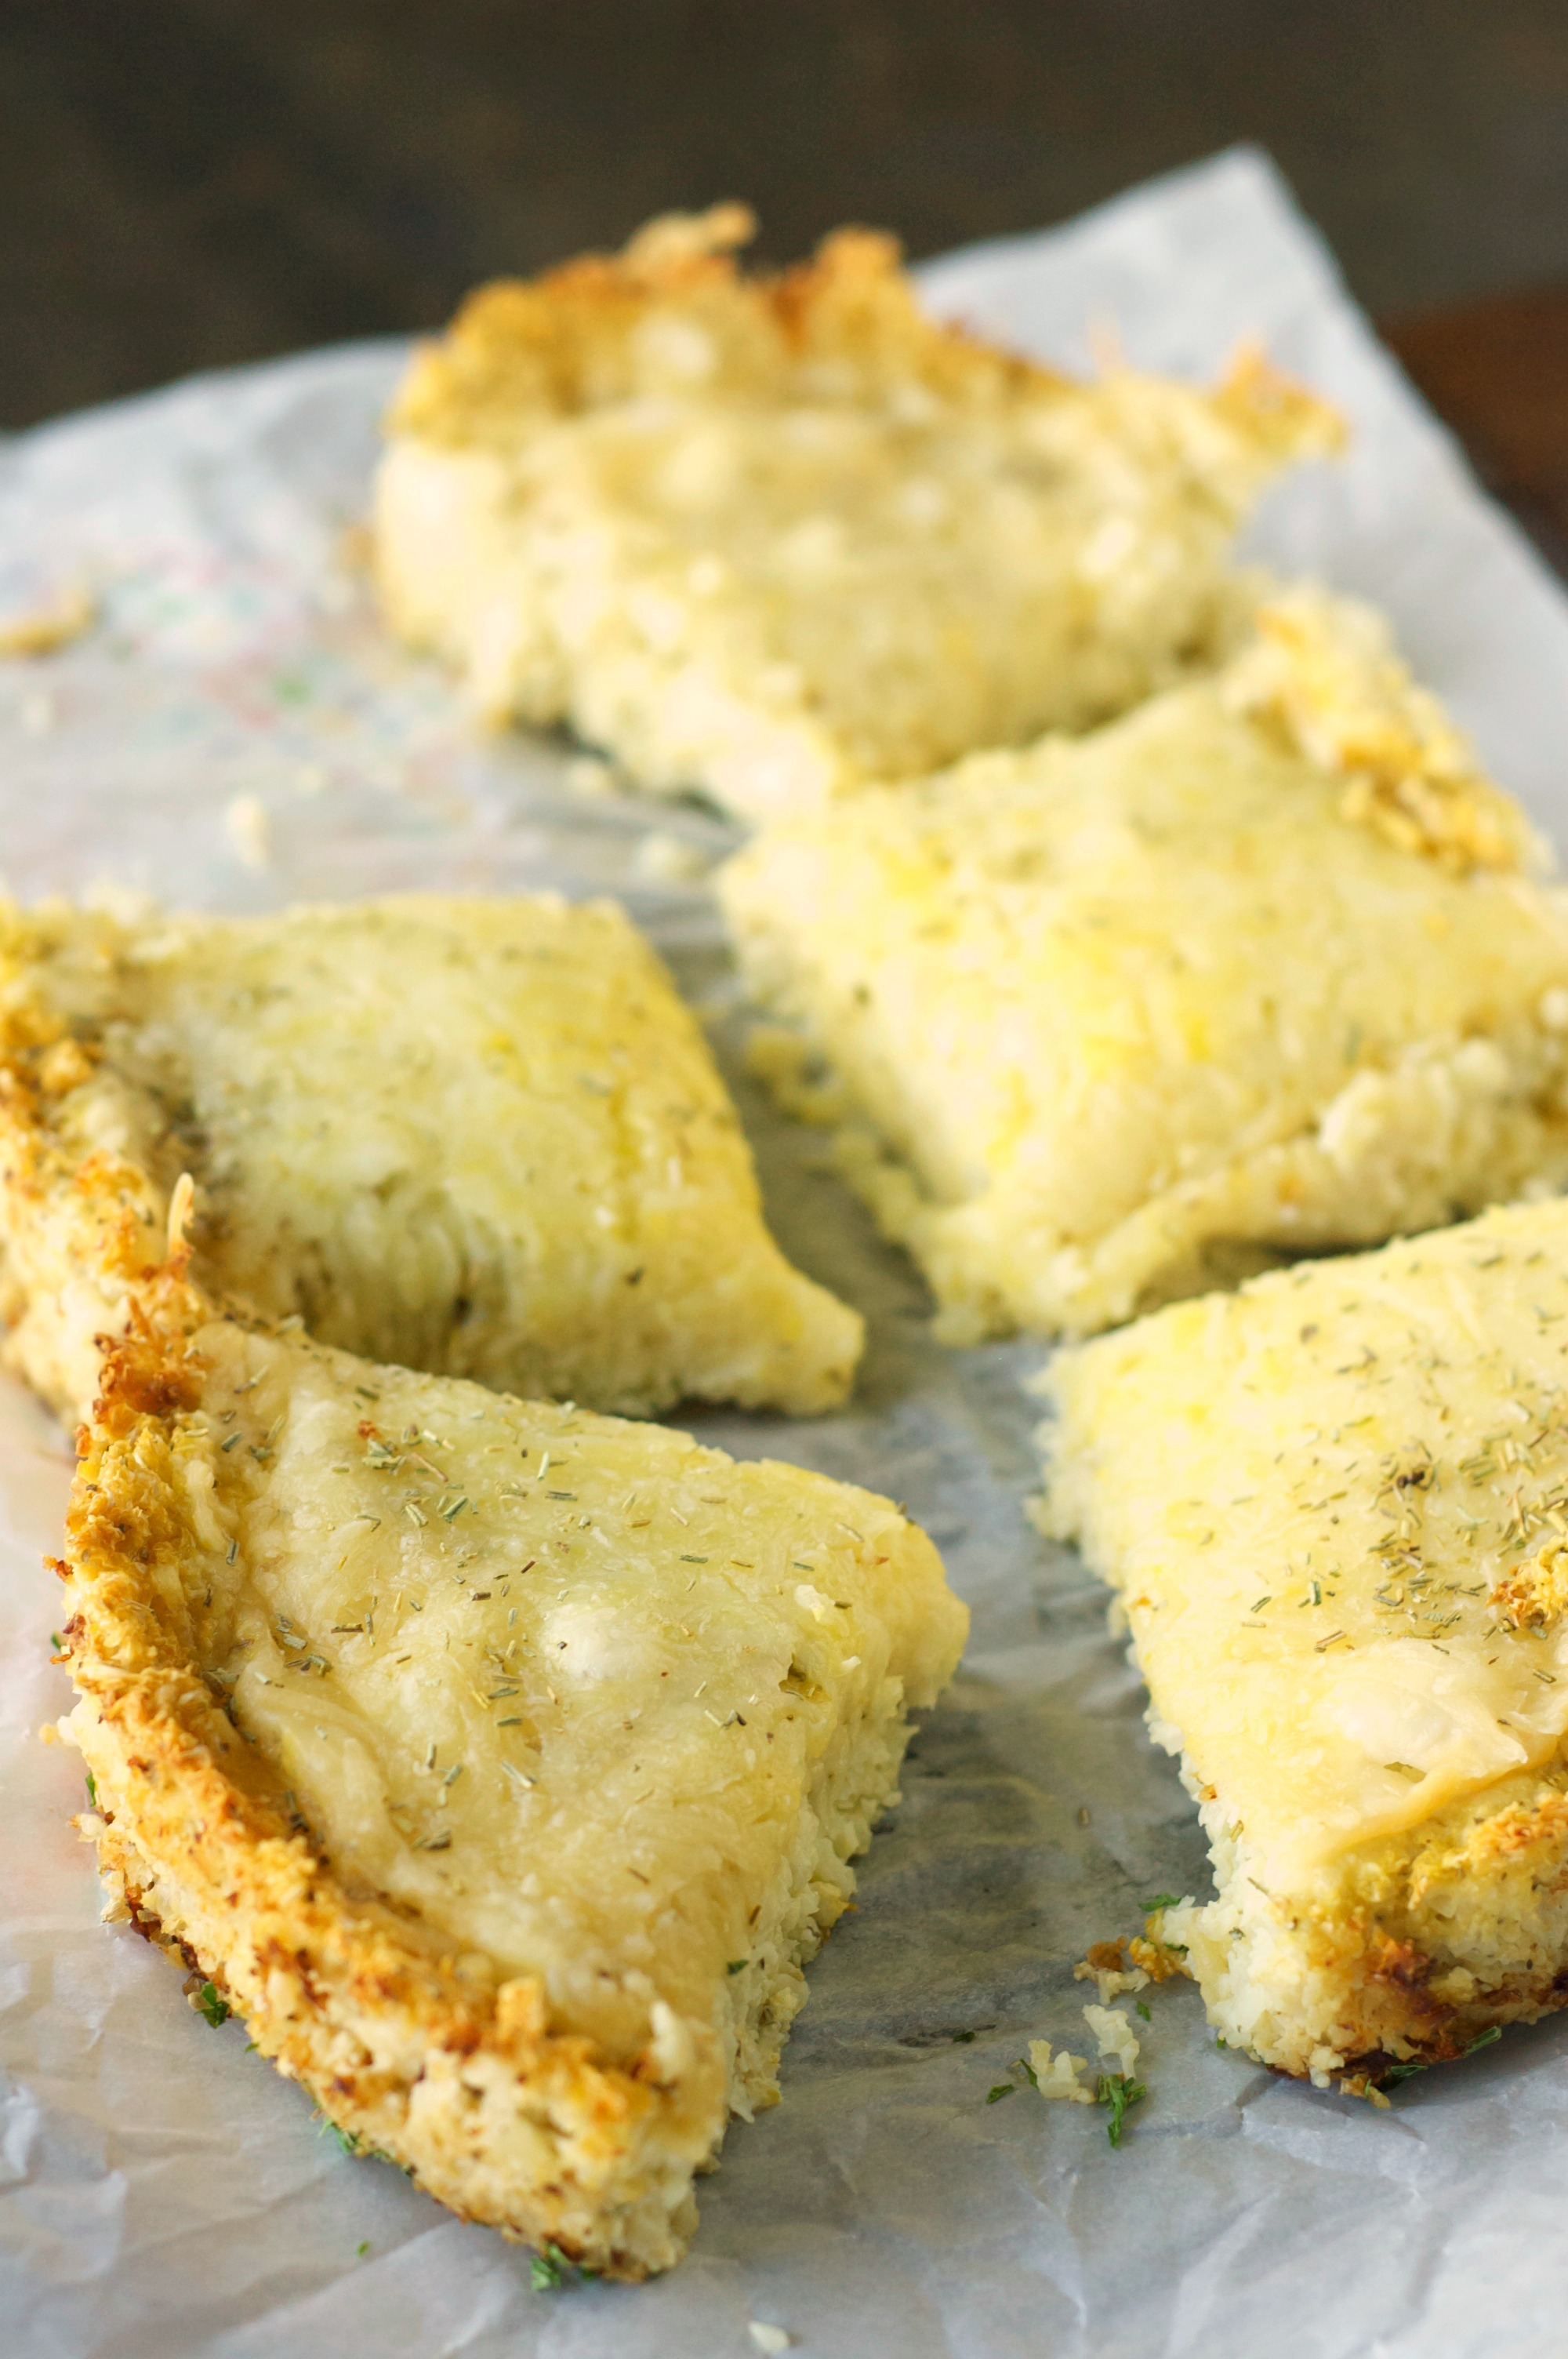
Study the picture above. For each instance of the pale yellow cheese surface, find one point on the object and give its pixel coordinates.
(478, 1135)
(1239, 975)
(589, 1700)
(775, 539)
(779, 603)
(1320, 1501)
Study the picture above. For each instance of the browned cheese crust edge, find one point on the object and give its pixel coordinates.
(94, 1221)
(507, 2121)
(561, 344)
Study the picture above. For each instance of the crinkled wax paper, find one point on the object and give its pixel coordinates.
(161, 2192)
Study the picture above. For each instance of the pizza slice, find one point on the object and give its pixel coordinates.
(1263, 967)
(501, 1764)
(1333, 1508)
(772, 537)
(478, 1135)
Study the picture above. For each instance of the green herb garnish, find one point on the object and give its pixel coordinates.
(92, 1791)
(1408, 2067)
(361, 2249)
(1002, 2089)
(1120, 2093)
(550, 2270)
(211, 2003)
(1143, 2008)
(1161, 1900)
(737, 1965)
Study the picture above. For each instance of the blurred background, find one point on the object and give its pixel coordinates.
(190, 183)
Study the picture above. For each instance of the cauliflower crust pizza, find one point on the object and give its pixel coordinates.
(478, 1135)
(501, 1765)
(774, 536)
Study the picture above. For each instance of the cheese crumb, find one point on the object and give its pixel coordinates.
(1114, 2036)
(588, 775)
(816, 1604)
(48, 627)
(669, 860)
(1323, 2065)
(249, 831)
(1107, 1968)
(1159, 1958)
(768, 2338)
(1057, 2075)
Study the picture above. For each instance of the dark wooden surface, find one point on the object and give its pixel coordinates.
(1498, 373)
(190, 183)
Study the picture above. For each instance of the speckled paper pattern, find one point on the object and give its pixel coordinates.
(233, 732)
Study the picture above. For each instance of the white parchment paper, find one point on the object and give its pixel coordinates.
(161, 2192)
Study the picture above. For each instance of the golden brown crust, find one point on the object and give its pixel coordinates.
(1532, 1596)
(467, 2085)
(567, 341)
(845, 324)
(1326, 672)
(75, 1230)
(1434, 1940)
(1496, 1866)
(1407, 2006)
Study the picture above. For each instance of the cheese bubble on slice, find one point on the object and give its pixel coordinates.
(1333, 1508)
(478, 1135)
(774, 536)
(483, 1754)
(1261, 968)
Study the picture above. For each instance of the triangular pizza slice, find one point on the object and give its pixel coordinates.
(477, 1135)
(1334, 1508)
(501, 1764)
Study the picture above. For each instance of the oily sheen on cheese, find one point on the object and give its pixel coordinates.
(775, 537)
(482, 1137)
(1261, 967)
(500, 1763)
(1335, 1510)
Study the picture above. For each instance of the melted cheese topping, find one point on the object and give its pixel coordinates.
(776, 540)
(482, 1137)
(832, 595)
(1316, 1499)
(1107, 1006)
(588, 1700)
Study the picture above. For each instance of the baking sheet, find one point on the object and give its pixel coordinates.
(232, 733)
